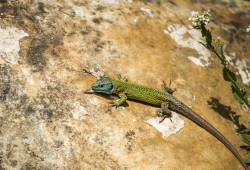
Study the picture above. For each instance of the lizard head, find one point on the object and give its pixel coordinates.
(103, 85)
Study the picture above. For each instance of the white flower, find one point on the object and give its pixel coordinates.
(248, 29)
(198, 19)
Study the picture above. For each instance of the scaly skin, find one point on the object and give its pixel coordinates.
(165, 100)
(138, 92)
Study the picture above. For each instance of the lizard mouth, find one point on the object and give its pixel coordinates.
(89, 91)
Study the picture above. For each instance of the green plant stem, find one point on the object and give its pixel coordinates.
(241, 94)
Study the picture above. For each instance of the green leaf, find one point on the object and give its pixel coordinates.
(246, 138)
(238, 98)
(228, 75)
(247, 159)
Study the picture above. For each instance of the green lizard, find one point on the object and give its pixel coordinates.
(164, 99)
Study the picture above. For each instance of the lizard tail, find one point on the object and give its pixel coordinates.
(187, 112)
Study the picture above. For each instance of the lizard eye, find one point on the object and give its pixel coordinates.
(101, 85)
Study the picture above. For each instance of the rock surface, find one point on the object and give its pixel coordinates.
(47, 122)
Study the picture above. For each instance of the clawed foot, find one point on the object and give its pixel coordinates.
(122, 78)
(167, 88)
(114, 103)
(117, 103)
(163, 115)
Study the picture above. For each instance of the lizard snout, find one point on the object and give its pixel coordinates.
(89, 91)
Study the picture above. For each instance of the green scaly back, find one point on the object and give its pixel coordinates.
(139, 92)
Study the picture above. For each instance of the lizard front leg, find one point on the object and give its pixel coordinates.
(167, 88)
(121, 100)
(120, 77)
(164, 112)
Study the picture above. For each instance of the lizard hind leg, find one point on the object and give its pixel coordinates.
(164, 112)
(167, 88)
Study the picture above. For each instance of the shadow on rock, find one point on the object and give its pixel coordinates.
(226, 112)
